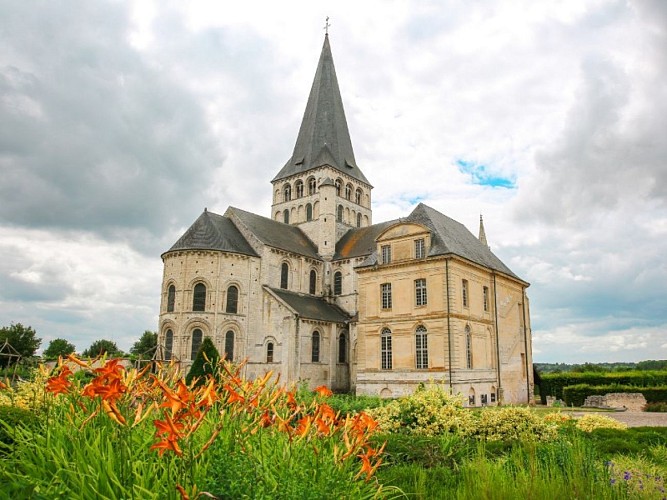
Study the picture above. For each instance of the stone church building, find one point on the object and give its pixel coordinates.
(317, 292)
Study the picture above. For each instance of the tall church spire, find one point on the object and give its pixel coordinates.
(324, 138)
(482, 233)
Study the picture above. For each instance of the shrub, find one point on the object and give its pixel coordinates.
(13, 418)
(576, 394)
(27, 394)
(557, 418)
(552, 384)
(513, 423)
(205, 363)
(656, 407)
(590, 422)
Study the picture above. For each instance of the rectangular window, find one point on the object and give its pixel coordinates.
(421, 349)
(420, 249)
(420, 292)
(385, 349)
(486, 298)
(483, 399)
(464, 292)
(386, 254)
(493, 397)
(386, 295)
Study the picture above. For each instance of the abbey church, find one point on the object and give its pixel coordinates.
(318, 292)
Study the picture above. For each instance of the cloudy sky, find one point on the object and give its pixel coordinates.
(121, 121)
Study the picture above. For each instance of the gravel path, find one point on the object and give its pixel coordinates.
(635, 418)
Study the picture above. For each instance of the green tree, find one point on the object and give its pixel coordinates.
(205, 363)
(100, 347)
(22, 338)
(144, 348)
(58, 347)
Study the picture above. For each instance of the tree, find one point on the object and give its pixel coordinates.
(144, 348)
(22, 338)
(58, 347)
(100, 347)
(200, 366)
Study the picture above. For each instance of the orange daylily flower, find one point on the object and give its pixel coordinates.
(233, 395)
(77, 361)
(181, 490)
(60, 384)
(303, 426)
(323, 391)
(114, 413)
(167, 444)
(208, 395)
(3, 385)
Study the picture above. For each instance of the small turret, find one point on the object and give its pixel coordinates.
(482, 233)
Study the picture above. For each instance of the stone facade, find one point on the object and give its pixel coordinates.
(316, 292)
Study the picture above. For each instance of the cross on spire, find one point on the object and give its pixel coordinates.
(326, 26)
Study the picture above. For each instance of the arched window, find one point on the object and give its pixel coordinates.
(168, 344)
(359, 220)
(199, 297)
(298, 187)
(284, 275)
(232, 300)
(312, 185)
(468, 348)
(315, 347)
(269, 352)
(287, 192)
(286, 216)
(348, 192)
(339, 185)
(312, 289)
(197, 337)
(342, 348)
(171, 298)
(357, 196)
(421, 348)
(229, 345)
(339, 215)
(309, 212)
(385, 349)
(338, 283)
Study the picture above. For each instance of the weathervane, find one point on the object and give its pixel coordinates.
(326, 26)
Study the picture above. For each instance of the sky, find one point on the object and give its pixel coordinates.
(121, 121)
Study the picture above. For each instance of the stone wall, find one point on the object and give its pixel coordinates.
(632, 401)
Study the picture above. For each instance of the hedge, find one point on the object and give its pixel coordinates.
(575, 395)
(552, 384)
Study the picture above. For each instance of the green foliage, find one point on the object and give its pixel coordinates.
(58, 347)
(575, 395)
(13, 418)
(144, 348)
(206, 363)
(102, 347)
(22, 338)
(425, 451)
(656, 407)
(552, 384)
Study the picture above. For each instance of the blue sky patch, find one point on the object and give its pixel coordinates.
(481, 175)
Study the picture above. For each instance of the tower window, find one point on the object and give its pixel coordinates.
(339, 214)
(464, 292)
(339, 185)
(229, 345)
(348, 192)
(421, 348)
(197, 336)
(359, 220)
(284, 275)
(199, 297)
(312, 185)
(385, 349)
(338, 283)
(168, 344)
(232, 300)
(287, 192)
(309, 212)
(315, 347)
(298, 187)
(357, 196)
(171, 298)
(386, 295)
(286, 216)
(420, 292)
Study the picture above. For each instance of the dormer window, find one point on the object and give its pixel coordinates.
(420, 249)
(386, 254)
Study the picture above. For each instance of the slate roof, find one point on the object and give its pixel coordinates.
(275, 234)
(309, 307)
(213, 232)
(360, 241)
(324, 138)
(451, 237)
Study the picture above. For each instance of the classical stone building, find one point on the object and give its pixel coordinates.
(317, 292)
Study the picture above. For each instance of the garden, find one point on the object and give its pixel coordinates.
(98, 429)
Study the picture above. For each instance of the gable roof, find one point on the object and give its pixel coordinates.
(359, 242)
(213, 232)
(309, 307)
(451, 237)
(275, 234)
(324, 138)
